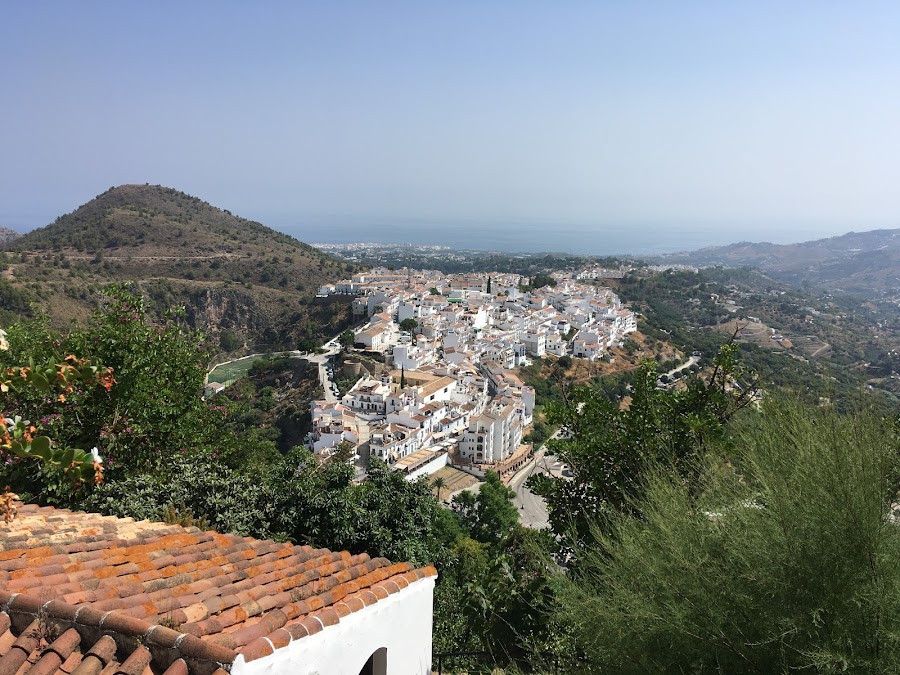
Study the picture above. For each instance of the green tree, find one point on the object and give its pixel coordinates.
(22, 442)
(229, 340)
(438, 484)
(784, 561)
(155, 408)
(489, 515)
(610, 448)
(510, 603)
(541, 280)
(409, 325)
(308, 344)
(344, 451)
(346, 339)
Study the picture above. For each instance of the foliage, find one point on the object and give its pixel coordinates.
(345, 451)
(15, 303)
(156, 406)
(308, 344)
(540, 431)
(19, 437)
(510, 603)
(610, 447)
(784, 561)
(409, 325)
(346, 339)
(546, 389)
(541, 280)
(153, 412)
(201, 486)
(229, 340)
(489, 515)
(496, 587)
(271, 363)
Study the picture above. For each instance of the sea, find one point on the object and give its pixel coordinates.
(543, 237)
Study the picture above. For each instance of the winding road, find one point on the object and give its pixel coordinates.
(532, 508)
(687, 364)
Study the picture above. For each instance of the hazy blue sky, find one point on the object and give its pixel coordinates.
(781, 119)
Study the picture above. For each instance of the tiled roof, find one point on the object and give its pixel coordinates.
(85, 594)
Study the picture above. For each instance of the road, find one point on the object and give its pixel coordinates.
(532, 508)
(331, 348)
(687, 364)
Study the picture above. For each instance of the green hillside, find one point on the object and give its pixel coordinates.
(230, 272)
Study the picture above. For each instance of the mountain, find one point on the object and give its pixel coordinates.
(7, 234)
(230, 272)
(861, 263)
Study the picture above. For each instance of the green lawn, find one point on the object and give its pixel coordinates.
(230, 372)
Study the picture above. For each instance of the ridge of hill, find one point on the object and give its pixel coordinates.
(860, 263)
(230, 272)
(7, 234)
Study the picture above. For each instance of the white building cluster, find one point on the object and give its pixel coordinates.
(452, 387)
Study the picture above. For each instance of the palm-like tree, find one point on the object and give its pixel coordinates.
(438, 484)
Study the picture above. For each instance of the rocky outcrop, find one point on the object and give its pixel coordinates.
(226, 308)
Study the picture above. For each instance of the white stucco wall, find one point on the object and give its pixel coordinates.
(400, 622)
(427, 469)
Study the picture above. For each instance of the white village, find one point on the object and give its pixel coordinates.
(450, 395)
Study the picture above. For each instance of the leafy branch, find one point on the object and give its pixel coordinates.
(21, 438)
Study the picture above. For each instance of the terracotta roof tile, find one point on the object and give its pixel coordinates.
(136, 662)
(166, 599)
(178, 667)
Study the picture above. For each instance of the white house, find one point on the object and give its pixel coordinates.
(391, 442)
(213, 388)
(332, 423)
(368, 396)
(554, 344)
(386, 303)
(440, 389)
(412, 356)
(375, 337)
(590, 349)
(492, 436)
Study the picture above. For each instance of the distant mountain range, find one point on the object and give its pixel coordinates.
(860, 263)
(229, 272)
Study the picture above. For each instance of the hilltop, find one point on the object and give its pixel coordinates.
(862, 263)
(230, 272)
(7, 234)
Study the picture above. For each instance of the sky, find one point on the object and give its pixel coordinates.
(737, 120)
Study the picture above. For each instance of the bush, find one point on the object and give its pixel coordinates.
(229, 340)
(785, 561)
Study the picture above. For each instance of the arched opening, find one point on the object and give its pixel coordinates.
(377, 663)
